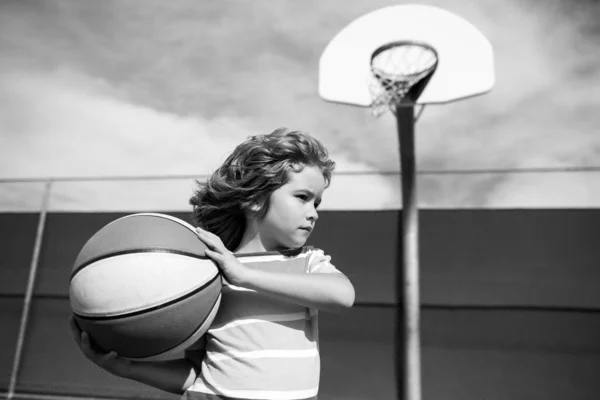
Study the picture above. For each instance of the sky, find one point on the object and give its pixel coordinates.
(147, 88)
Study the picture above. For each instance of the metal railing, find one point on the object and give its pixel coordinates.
(459, 171)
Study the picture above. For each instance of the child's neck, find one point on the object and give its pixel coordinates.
(251, 241)
(253, 246)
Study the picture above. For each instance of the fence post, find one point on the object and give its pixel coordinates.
(29, 292)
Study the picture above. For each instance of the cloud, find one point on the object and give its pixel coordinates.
(65, 124)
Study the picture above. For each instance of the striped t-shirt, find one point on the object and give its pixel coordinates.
(259, 347)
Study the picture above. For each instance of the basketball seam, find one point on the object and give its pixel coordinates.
(187, 338)
(134, 251)
(164, 216)
(151, 309)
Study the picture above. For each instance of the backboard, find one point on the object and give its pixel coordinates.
(465, 57)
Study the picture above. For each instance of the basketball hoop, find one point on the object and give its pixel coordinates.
(403, 72)
(400, 71)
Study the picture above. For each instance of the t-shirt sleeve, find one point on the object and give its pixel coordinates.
(319, 263)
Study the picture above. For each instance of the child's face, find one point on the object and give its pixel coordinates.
(292, 210)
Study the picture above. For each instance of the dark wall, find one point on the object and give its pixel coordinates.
(510, 305)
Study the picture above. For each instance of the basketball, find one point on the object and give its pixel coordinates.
(142, 286)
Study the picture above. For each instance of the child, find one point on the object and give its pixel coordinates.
(263, 344)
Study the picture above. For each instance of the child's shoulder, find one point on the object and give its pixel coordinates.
(318, 261)
(303, 251)
(311, 257)
(309, 252)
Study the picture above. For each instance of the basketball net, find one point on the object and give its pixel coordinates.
(400, 71)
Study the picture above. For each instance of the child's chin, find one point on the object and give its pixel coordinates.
(293, 244)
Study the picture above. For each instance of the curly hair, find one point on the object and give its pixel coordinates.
(254, 170)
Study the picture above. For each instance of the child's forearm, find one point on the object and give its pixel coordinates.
(329, 292)
(173, 376)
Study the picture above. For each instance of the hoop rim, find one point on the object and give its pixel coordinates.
(398, 43)
(393, 88)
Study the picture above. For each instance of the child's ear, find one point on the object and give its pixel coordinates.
(255, 207)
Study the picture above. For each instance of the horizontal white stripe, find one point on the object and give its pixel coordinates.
(268, 258)
(263, 318)
(200, 386)
(231, 288)
(212, 356)
(325, 268)
(319, 261)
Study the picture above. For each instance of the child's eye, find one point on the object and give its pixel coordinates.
(302, 197)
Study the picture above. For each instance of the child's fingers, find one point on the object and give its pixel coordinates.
(211, 241)
(203, 235)
(214, 238)
(110, 356)
(73, 323)
(204, 232)
(93, 353)
(86, 345)
(85, 340)
(77, 333)
(213, 255)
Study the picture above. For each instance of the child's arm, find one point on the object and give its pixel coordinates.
(173, 376)
(330, 292)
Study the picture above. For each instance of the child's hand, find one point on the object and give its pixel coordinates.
(110, 361)
(235, 272)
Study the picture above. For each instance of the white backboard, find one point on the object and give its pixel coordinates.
(465, 57)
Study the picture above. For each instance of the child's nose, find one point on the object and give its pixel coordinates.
(313, 215)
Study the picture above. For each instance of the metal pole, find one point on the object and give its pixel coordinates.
(408, 360)
(29, 292)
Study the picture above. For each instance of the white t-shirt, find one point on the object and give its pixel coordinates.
(261, 348)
